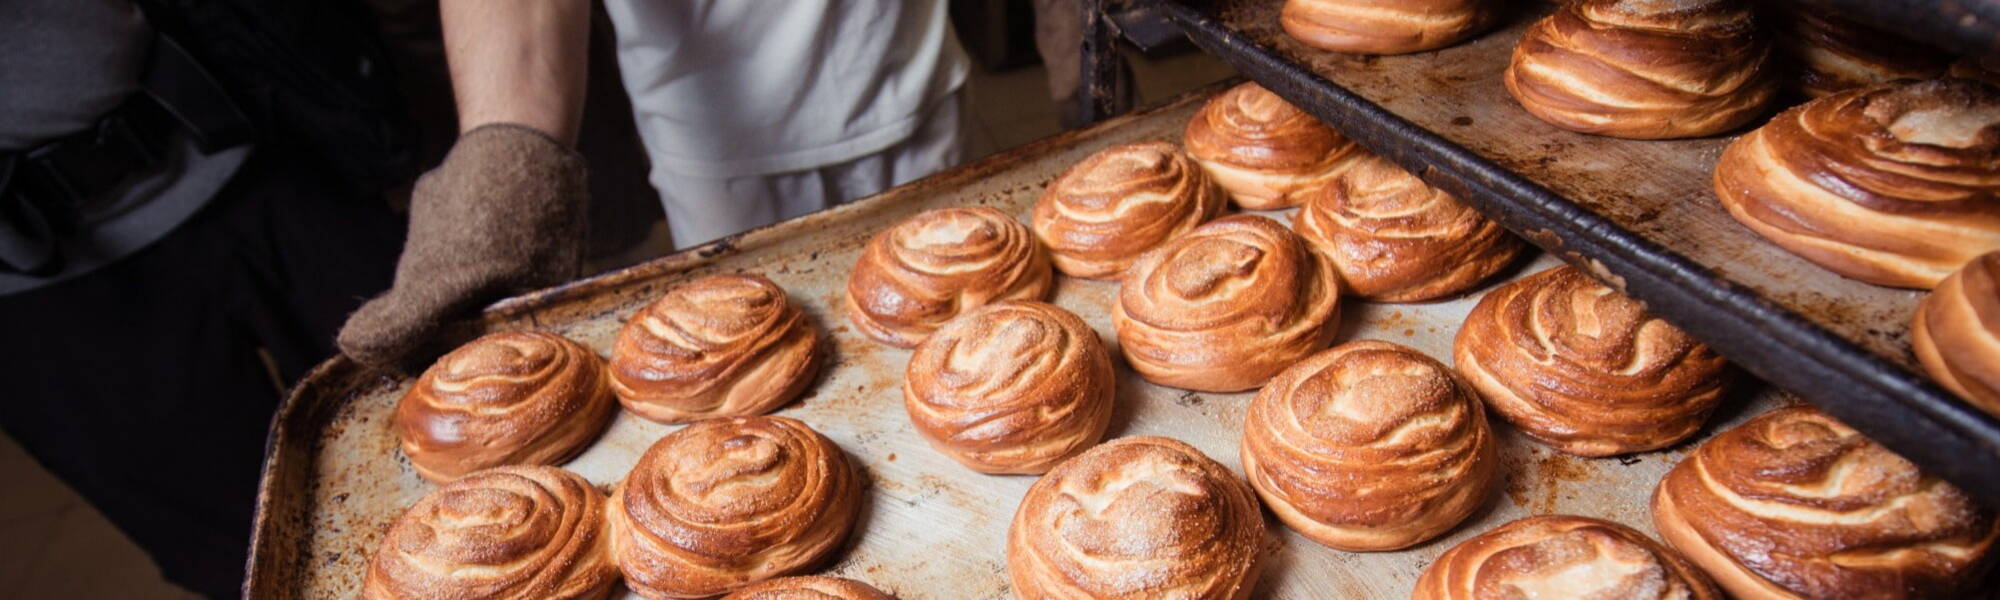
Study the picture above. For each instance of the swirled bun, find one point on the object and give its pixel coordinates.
(1394, 238)
(1896, 184)
(517, 532)
(1561, 556)
(719, 346)
(1384, 26)
(1141, 517)
(1832, 53)
(1262, 149)
(1101, 214)
(1582, 368)
(1011, 387)
(1794, 504)
(809, 587)
(1225, 307)
(926, 269)
(510, 398)
(727, 502)
(1956, 333)
(1644, 69)
(1369, 446)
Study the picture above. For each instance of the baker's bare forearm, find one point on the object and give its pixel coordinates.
(518, 61)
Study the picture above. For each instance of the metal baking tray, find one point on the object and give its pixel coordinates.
(334, 479)
(1640, 214)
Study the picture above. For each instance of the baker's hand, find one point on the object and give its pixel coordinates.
(502, 215)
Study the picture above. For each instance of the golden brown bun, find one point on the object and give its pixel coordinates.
(1644, 69)
(1561, 556)
(1384, 26)
(1832, 53)
(1101, 214)
(1794, 504)
(1140, 517)
(727, 502)
(1897, 184)
(1394, 238)
(510, 398)
(518, 533)
(1369, 446)
(809, 587)
(719, 346)
(1582, 368)
(921, 272)
(1262, 149)
(1956, 333)
(1225, 307)
(1985, 69)
(1012, 387)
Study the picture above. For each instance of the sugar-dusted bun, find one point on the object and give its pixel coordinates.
(1225, 307)
(809, 587)
(1369, 446)
(1561, 556)
(719, 346)
(1262, 149)
(727, 502)
(1794, 504)
(924, 270)
(1644, 69)
(1141, 517)
(1896, 184)
(1012, 387)
(510, 532)
(509, 398)
(1583, 368)
(1956, 333)
(1385, 26)
(1101, 214)
(1394, 238)
(1832, 53)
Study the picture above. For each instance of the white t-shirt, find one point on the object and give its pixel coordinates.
(727, 88)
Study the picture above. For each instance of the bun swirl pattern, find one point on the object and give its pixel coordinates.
(1560, 556)
(1394, 238)
(1142, 517)
(723, 345)
(1833, 53)
(509, 398)
(1012, 387)
(809, 587)
(1794, 504)
(1956, 333)
(726, 502)
(1897, 184)
(927, 269)
(1101, 214)
(1226, 306)
(510, 533)
(1262, 149)
(1644, 69)
(1369, 446)
(1583, 368)
(1384, 26)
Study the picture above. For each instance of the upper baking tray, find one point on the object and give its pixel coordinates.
(1641, 214)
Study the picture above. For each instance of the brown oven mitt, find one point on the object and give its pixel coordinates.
(503, 214)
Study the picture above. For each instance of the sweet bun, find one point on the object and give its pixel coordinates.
(1896, 184)
(1583, 368)
(727, 502)
(1262, 149)
(1832, 53)
(1142, 517)
(1101, 214)
(1369, 446)
(1011, 387)
(926, 269)
(1794, 504)
(508, 532)
(1644, 69)
(1561, 556)
(1384, 26)
(1956, 333)
(719, 346)
(509, 398)
(809, 587)
(1394, 238)
(1225, 307)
